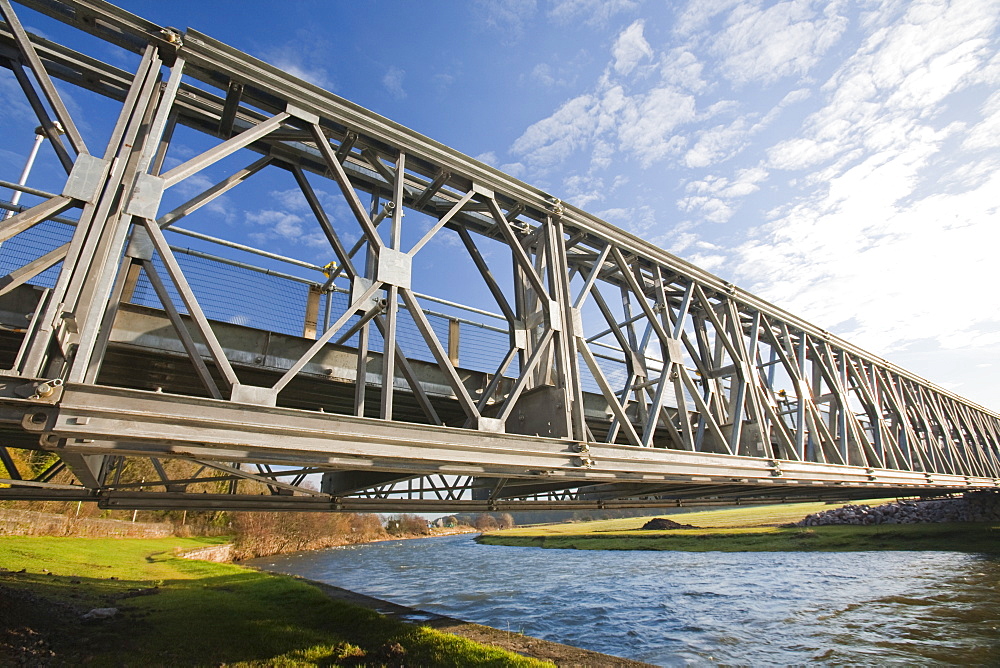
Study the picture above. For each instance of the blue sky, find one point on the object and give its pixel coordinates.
(839, 159)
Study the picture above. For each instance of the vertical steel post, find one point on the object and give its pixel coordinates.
(311, 319)
(16, 196)
(392, 296)
(364, 334)
(454, 332)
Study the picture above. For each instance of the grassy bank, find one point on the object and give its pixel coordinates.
(180, 612)
(753, 529)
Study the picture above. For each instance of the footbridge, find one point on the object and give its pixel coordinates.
(493, 349)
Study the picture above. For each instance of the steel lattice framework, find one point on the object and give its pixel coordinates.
(626, 376)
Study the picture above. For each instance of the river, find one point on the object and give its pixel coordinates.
(692, 608)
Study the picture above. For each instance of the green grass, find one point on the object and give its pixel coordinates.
(754, 529)
(181, 612)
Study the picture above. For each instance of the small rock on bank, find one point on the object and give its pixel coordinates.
(100, 613)
(661, 523)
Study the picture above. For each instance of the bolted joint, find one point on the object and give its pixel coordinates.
(584, 462)
(172, 36)
(45, 390)
(170, 42)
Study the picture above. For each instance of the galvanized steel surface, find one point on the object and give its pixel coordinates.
(627, 375)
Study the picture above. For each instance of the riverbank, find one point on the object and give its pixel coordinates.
(535, 648)
(754, 529)
(70, 601)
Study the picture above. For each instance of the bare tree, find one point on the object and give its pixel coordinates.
(485, 522)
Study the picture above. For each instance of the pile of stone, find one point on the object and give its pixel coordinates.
(972, 507)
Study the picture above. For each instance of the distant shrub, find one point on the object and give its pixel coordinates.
(263, 534)
(407, 525)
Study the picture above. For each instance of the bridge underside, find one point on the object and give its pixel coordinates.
(595, 370)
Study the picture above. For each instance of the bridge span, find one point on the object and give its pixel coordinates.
(495, 349)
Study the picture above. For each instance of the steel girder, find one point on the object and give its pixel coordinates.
(628, 376)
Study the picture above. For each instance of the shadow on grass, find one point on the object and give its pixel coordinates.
(238, 617)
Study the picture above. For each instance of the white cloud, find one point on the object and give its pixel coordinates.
(15, 107)
(986, 134)
(717, 144)
(880, 268)
(680, 67)
(290, 200)
(490, 158)
(630, 49)
(802, 153)
(542, 73)
(314, 75)
(648, 123)
(724, 142)
(642, 126)
(280, 223)
(890, 222)
(654, 124)
(873, 190)
(712, 209)
(638, 220)
(222, 208)
(443, 81)
(293, 200)
(560, 76)
(507, 16)
(393, 82)
(592, 12)
(582, 191)
(785, 39)
(897, 78)
(304, 58)
(284, 225)
(551, 140)
(715, 198)
(515, 169)
(698, 13)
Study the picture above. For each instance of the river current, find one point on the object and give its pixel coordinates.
(692, 608)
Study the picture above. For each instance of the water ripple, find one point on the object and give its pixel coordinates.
(693, 609)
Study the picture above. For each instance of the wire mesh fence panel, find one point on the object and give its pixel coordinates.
(615, 372)
(408, 337)
(231, 294)
(482, 349)
(252, 297)
(32, 244)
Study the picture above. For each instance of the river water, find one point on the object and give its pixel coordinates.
(692, 608)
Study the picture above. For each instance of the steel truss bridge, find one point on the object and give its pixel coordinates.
(608, 373)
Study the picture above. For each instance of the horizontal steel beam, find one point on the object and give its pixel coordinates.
(104, 420)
